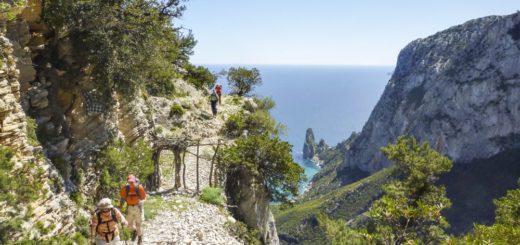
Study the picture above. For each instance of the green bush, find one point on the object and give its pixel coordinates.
(256, 123)
(18, 187)
(234, 125)
(199, 76)
(268, 160)
(176, 110)
(117, 161)
(130, 44)
(212, 195)
(264, 104)
(31, 132)
(77, 197)
(240, 230)
(161, 88)
(410, 210)
(8, 11)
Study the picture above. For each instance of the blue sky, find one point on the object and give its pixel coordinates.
(326, 32)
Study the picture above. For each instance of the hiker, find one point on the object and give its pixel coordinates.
(104, 223)
(134, 195)
(218, 89)
(214, 99)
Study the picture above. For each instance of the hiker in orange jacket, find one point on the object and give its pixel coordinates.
(134, 195)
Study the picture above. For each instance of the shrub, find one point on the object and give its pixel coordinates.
(77, 197)
(129, 44)
(176, 110)
(234, 125)
(410, 210)
(199, 76)
(212, 195)
(31, 132)
(264, 104)
(269, 161)
(8, 11)
(119, 160)
(18, 187)
(240, 230)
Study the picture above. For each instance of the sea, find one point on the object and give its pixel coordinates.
(332, 100)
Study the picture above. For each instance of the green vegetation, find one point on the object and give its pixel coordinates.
(199, 76)
(176, 110)
(128, 44)
(269, 161)
(410, 210)
(242, 80)
(298, 222)
(256, 119)
(9, 9)
(31, 132)
(240, 230)
(18, 187)
(212, 195)
(119, 160)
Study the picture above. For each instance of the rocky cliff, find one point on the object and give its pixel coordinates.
(457, 89)
(311, 149)
(309, 146)
(52, 210)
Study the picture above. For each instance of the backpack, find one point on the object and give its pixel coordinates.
(214, 97)
(136, 191)
(218, 88)
(111, 230)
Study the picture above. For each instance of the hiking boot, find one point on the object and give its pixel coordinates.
(134, 235)
(140, 240)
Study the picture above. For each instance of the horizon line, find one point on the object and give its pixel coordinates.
(295, 64)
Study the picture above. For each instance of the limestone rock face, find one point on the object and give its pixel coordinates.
(459, 87)
(12, 116)
(54, 207)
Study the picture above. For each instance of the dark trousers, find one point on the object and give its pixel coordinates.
(214, 107)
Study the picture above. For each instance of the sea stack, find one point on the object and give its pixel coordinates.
(309, 147)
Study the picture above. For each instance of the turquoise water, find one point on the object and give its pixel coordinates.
(333, 100)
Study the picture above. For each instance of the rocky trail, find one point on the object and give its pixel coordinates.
(181, 218)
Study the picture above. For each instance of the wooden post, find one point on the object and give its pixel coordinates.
(156, 177)
(184, 168)
(178, 163)
(197, 165)
(213, 162)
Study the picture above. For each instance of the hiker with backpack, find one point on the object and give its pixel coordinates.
(214, 99)
(104, 223)
(134, 195)
(218, 90)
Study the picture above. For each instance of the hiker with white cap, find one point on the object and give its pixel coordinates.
(134, 195)
(104, 223)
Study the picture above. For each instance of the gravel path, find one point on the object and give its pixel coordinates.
(194, 223)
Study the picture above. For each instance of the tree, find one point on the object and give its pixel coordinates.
(269, 161)
(242, 80)
(410, 210)
(199, 76)
(128, 44)
(119, 160)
